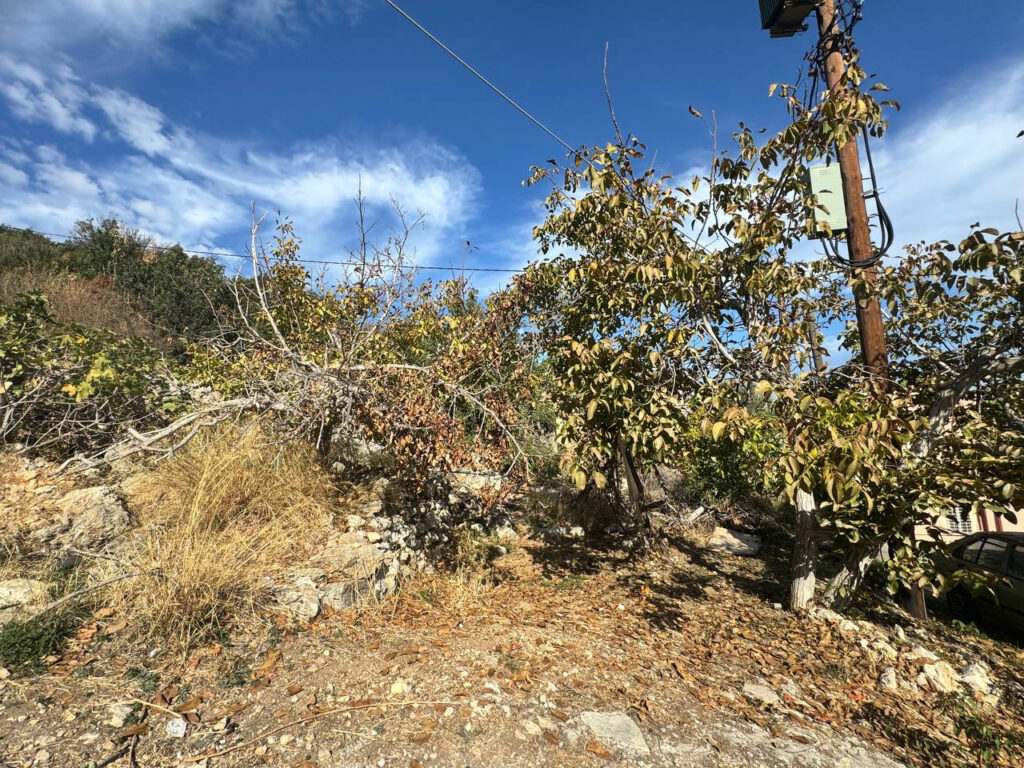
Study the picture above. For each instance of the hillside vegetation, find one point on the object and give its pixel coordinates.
(658, 374)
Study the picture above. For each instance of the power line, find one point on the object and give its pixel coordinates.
(483, 79)
(343, 263)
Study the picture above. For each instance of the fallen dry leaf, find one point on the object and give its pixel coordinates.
(139, 729)
(595, 748)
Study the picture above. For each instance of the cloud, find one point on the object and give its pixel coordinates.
(135, 121)
(34, 98)
(957, 162)
(105, 25)
(194, 188)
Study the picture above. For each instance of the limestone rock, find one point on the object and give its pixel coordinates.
(119, 713)
(299, 599)
(96, 516)
(339, 596)
(939, 677)
(469, 481)
(761, 694)
(888, 680)
(617, 730)
(20, 597)
(825, 614)
(920, 654)
(976, 677)
(734, 542)
(886, 650)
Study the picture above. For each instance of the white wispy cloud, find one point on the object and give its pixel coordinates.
(958, 161)
(184, 186)
(142, 25)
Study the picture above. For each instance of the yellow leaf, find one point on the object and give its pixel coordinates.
(580, 478)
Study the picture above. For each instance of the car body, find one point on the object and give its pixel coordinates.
(999, 556)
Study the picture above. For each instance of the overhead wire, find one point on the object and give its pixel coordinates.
(230, 254)
(522, 110)
(353, 263)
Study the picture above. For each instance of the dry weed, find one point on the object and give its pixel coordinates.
(230, 512)
(93, 303)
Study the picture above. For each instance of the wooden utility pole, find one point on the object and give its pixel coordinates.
(858, 234)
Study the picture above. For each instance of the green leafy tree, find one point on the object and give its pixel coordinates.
(184, 295)
(668, 307)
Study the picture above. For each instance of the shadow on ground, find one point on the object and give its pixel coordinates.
(671, 580)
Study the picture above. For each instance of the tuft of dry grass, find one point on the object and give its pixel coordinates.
(93, 303)
(219, 520)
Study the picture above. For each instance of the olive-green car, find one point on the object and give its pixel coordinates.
(1000, 556)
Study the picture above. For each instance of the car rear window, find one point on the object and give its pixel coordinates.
(970, 552)
(1015, 565)
(992, 554)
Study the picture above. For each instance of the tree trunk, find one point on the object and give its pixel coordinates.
(805, 552)
(842, 586)
(637, 497)
(915, 603)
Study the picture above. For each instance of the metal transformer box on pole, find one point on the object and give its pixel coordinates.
(784, 18)
(826, 183)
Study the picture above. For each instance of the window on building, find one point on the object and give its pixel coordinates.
(993, 554)
(959, 521)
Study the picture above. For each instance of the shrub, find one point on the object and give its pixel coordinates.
(181, 292)
(20, 249)
(728, 470)
(65, 388)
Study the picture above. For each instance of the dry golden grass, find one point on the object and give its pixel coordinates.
(92, 303)
(231, 510)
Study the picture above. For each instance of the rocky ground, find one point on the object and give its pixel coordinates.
(561, 652)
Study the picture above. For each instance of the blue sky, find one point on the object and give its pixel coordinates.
(177, 116)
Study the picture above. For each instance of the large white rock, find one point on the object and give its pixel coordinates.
(20, 597)
(976, 677)
(96, 516)
(617, 730)
(476, 482)
(939, 677)
(299, 599)
(920, 654)
(888, 680)
(734, 542)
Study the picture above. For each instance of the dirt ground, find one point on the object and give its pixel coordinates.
(686, 650)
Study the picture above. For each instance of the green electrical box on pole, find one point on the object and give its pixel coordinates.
(826, 183)
(784, 18)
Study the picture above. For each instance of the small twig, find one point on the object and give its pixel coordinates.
(608, 96)
(84, 590)
(99, 555)
(114, 757)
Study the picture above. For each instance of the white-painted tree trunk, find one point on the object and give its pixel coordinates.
(805, 553)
